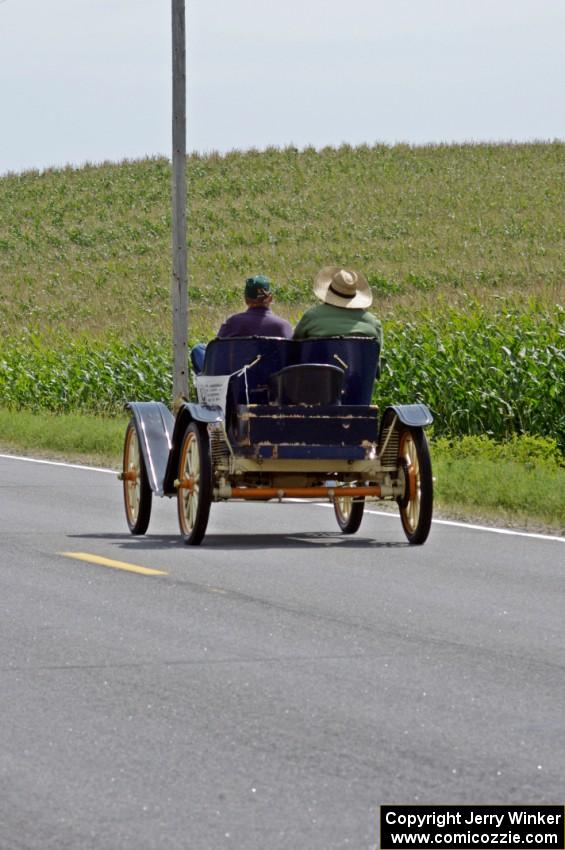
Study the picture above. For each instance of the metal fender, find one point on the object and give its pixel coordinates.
(154, 423)
(189, 412)
(200, 412)
(413, 415)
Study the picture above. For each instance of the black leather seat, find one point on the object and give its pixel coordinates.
(307, 383)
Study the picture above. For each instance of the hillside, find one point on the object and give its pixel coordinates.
(88, 249)
(462, 246)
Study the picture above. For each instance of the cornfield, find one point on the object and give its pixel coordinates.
(480, 372)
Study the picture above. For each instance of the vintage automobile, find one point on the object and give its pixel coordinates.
(279, 419)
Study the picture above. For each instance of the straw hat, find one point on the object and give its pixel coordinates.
(342, 288)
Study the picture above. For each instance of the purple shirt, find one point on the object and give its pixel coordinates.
(256, 321)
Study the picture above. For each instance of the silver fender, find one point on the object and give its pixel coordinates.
(154, 423)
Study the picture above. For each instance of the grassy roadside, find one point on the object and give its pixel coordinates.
(518, 484)
(94, 440)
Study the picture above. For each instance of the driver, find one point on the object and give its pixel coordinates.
(258, 319)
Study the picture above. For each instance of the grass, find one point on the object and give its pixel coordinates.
(505, 493)
(520, 482)
(90, 439)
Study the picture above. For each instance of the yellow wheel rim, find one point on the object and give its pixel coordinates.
(409, 454)
(190, 470)
(344, 505)
(132, 469)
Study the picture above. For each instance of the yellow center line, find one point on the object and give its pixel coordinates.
(117, 565)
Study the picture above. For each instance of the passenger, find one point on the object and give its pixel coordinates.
(258, 319)
(345, 295)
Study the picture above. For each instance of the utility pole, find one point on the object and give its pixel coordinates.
(179, 280)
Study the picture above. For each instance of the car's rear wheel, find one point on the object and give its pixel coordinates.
(137, 492)
(416, 504)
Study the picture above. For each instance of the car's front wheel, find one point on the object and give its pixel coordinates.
(349, 512)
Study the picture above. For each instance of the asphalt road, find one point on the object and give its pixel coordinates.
(270, 688)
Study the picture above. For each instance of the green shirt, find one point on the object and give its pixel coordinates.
(327, 320)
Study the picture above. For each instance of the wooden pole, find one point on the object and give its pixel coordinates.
(179, 280)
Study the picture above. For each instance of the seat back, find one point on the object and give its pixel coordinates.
(357, 356)
(228, 355)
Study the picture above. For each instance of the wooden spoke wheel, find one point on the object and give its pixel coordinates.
(137, 492)
(416, 504)
(349, 512)
(194, 494)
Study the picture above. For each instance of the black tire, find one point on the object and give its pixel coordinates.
(416, 505)
(349, 513)
(137, 492)
(193, 503)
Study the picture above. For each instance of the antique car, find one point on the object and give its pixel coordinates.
(280, 419)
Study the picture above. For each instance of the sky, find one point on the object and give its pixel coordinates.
(90, 80)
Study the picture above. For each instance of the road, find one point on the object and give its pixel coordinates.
(270, 688)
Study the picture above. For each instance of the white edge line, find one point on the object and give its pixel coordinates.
(60, 463)
(454, 523)
(469, 526)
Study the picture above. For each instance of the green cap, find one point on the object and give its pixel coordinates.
(257, 287)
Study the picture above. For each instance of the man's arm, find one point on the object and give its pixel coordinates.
(226, 328)
(287, 332)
